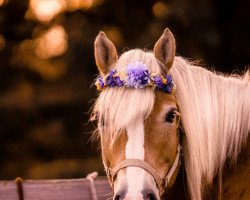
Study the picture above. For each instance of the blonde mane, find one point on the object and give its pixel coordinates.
(215, 114)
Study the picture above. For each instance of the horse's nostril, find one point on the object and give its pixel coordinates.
(152, 197)
(120, 195)
(149, 195)
(117, 197)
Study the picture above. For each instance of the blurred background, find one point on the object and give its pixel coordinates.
(47, 68)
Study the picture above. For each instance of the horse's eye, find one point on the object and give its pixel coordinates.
(170, 116)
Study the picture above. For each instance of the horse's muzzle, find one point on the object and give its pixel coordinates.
(146, 194)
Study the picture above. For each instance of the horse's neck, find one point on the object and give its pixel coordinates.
(233, 182)
(236, 182)
(235, 123)
(215, 114)
(232, 134)
(179, 191)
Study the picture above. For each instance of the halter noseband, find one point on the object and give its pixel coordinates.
(160, 182)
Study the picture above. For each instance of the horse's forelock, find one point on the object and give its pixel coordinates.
(118, 106)
(138, 55)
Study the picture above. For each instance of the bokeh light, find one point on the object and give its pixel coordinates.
(114, 34)
(20, 97)
(46, 10)
(2, 42)
(160, 9)
(26, 57)
(52, 43)
(79, 4)
(3, 2)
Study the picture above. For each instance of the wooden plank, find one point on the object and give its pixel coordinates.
(70, 189)
(8, 190)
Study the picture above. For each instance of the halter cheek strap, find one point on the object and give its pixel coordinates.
(160, 182)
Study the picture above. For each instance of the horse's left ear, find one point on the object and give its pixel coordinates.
(105, 53)
(164, 49)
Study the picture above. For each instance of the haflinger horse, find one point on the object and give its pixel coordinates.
(155, 110)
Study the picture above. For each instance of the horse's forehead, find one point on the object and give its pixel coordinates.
(162, 105)
(162, 97)
(133, 134)
(162, 100)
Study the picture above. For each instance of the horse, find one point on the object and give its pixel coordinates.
(170, 129)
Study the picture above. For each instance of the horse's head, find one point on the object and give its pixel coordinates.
(138, 126)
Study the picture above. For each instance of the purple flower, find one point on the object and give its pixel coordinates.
(113, 80)
(169, 78)
(168, 87)
(100, 80)
(118, 81)
(137, 75)
(158, 82)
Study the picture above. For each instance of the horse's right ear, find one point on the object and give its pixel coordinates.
(164, 49)
(105, 53)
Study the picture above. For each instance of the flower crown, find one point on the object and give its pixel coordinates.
(135, 75)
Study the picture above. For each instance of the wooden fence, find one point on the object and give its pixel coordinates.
(69, 189)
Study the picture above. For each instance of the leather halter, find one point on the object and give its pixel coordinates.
(160, 182)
